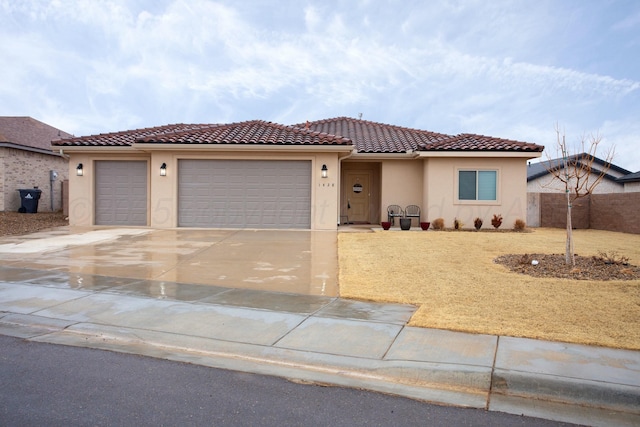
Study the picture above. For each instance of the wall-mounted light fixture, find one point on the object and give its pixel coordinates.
(79, 170)
(163, 169)
(325, 171)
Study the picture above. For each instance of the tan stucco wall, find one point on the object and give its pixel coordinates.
(163, 190)
(402, 183)
(441, 183)
(21, 169)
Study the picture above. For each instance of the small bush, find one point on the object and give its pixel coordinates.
(612, 258)
(477, 223)
(457, 224)
(496, 221)
(519, 225)
(438, 224)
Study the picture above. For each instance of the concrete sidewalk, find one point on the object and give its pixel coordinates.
(321, 339)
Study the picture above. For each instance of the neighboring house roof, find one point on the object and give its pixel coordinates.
(27, 133)
(373, 137)
(537, 170)
(630, 177)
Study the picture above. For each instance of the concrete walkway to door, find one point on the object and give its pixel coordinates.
(301, 262)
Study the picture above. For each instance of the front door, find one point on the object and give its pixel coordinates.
(358, 191)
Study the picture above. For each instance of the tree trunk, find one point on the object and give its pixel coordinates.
(569, 257)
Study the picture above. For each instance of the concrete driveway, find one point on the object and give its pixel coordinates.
(302, 262)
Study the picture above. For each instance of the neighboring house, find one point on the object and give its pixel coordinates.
(631, 182)
(314, 175)
(26, 161)
(541, 180)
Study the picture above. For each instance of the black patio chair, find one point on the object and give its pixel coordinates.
(412, 211)
(394, 211)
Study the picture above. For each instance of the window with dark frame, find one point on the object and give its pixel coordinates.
(477, 185)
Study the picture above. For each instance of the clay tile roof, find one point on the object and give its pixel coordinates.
(249, 132)
(29, 132)
(471, 142)
(124, 138)
(373, 137)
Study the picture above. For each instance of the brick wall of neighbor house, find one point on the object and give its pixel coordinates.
(3, 153)
(553, 211)
(616, 212)
(613, 212)
(26, 169)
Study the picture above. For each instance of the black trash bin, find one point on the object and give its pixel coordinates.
(29, 200)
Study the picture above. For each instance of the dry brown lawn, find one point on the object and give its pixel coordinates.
(452, 278)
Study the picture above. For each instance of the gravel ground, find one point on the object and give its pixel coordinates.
(14, 223)
(607, 267)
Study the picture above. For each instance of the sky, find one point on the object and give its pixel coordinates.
(509, 69)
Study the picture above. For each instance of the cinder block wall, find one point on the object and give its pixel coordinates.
(613, 212)
(616, 212)
(553, 211)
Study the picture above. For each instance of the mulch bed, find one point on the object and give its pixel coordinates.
(14, 223)
(586, 268)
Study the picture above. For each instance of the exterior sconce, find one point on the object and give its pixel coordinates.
(163, 169)
(79, 170)
(325, 171)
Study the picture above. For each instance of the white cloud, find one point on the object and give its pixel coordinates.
(500, 68)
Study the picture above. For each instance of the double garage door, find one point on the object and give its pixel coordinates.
(211, 193)
(244, 193)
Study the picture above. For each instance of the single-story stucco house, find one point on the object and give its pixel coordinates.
(27, 161)
(313, 175)
(631, 182)
(540, 180)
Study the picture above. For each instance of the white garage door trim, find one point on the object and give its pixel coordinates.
(121, 192)
(244, 193)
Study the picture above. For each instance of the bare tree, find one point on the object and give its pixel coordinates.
(578, 176)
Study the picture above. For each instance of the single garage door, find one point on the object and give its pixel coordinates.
(244, 193)
(121, 193)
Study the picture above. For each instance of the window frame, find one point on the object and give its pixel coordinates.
(477, 201)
